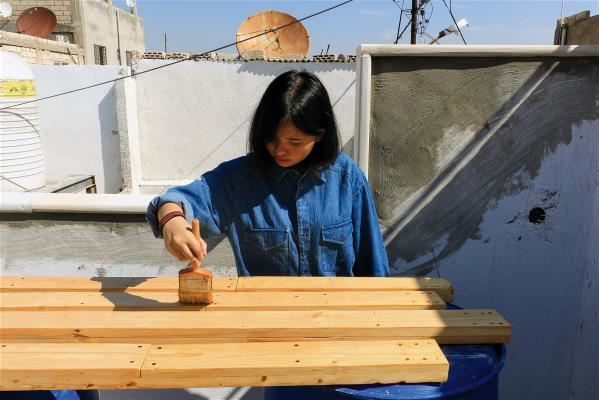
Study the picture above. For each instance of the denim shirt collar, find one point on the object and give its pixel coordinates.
(278, 173)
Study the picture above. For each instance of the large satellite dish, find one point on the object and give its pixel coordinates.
(36, 21)
(280, 38)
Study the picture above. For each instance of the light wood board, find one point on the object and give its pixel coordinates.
(446, 326)
(120, 366)
(223, 301)
(243, 284)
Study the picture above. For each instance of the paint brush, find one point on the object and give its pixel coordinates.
(195, 282)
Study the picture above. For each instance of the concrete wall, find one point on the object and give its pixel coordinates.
(579, 28)
(99, 27)
(194, 115)
(35, 50)
(485, 171)
(79, 130)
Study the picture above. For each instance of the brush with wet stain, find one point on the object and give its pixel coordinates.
(195, 282)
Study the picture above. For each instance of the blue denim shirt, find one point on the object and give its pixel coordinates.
(323, 223)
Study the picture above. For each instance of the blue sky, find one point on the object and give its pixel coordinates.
(198, 25)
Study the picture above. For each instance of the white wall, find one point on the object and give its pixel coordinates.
(195, 115)
(540, 276)
(79, 130)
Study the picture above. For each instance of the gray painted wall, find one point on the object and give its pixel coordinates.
(79, 130)
(537, 124)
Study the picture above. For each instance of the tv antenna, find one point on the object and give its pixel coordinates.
(132, 4)
(284, 35)
(5, 12)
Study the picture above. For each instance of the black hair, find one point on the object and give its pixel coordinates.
(301, 98)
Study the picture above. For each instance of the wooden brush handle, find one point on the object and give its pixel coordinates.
(195, 228)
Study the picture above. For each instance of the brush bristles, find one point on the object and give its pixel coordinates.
(188, 297)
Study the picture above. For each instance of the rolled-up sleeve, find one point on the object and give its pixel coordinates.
(199, 199)
(371, 256)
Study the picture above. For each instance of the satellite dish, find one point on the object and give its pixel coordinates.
(280, 38)
(5, 10)
(130, 3)
(36, 21)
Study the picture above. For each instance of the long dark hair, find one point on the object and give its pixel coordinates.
(299, 97)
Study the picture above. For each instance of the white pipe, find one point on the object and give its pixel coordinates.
(19, 202)
(130, 92)
(363, 133)
(458, 50)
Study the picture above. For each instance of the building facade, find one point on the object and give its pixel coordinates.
(86, 32)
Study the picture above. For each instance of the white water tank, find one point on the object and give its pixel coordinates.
(22, 166)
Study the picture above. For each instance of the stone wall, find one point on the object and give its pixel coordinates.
(35, 50)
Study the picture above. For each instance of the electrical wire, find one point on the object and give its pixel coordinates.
(427, 20)
(408, 24)
(192, 57)
(455, 22)
(400, 18)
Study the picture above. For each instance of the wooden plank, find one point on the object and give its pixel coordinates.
(273, 364)
(229, 301)
(447, 326)
(106, 284)
(273, 301)
(243, 284)
(30, 366)
(344, 283)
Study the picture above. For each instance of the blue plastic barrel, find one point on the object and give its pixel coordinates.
(51, 395)
(473, 375)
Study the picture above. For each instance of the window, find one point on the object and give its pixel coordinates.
(128, 56)
(100, 54)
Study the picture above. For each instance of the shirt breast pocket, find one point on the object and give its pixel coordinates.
(336, 248)
(266, 251)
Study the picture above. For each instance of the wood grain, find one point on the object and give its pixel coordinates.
(243, 284)
(69, 365)
(223, 301)
(121, 366)
(473, 326)
(344, 283)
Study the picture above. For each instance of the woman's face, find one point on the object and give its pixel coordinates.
(290, 146)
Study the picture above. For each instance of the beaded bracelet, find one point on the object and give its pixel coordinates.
(168, 216)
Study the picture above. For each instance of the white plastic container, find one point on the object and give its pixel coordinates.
(22, 166)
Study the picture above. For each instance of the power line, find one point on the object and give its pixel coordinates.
(192, 57)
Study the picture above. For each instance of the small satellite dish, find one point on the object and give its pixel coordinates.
(282, 37)
(130, 3)
(5, 10)
(36, 21)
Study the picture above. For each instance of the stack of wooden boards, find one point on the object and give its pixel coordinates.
(117, 333)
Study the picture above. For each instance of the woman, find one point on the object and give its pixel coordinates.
(293, 206)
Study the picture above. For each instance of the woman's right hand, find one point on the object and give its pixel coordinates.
(179, 240)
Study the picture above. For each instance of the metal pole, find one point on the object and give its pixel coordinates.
(165, 42)
(118, 38)
(414, 17)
